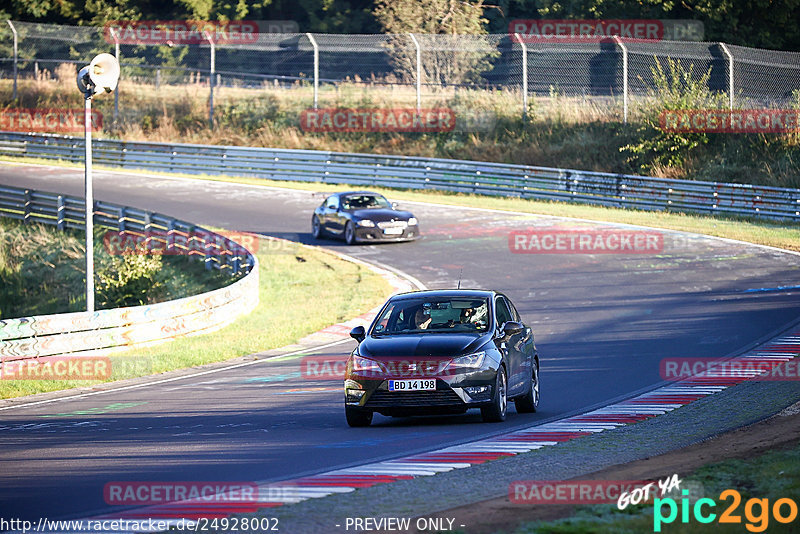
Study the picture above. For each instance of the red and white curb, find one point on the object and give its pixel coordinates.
(634, 410)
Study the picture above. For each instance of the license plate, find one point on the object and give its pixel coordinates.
(412, 385)
(392, 231)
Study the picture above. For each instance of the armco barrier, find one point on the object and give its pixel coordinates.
(105, 331)
(617, 190)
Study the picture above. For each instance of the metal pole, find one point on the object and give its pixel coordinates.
(316, 68)
(419, 71)
(116, 89)
(14, 31)
(624, 78)
(87, 126)
(211, 80)
(730, 73)
(524, 76)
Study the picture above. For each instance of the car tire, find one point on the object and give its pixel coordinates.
(350, 233)
(316, 227)
(496, 411)
(529, 402)
(356, 417)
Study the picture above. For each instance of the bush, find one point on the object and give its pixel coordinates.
(128, 280)
(676, 89)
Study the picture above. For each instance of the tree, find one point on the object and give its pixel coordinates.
(451, 38)
(771, 24)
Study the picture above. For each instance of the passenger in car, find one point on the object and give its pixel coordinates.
(421, 319)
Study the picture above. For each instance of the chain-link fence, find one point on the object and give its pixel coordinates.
(411, 69)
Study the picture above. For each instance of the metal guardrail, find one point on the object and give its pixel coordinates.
(105, 331)
(544, 183)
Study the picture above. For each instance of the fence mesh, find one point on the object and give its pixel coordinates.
(385, 66)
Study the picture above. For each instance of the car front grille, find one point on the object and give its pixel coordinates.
(392, 224)
(403, 399)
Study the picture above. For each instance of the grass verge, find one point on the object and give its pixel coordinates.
(340, 289)
(774, 475)
(785, 235)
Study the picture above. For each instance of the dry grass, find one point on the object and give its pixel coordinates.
(567, 132)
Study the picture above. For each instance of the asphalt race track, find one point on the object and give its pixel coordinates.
(602, 322)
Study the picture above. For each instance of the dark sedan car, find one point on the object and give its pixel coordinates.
(361, 216)
(442, 352)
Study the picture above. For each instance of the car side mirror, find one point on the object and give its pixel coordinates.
(511, 328)
(394, 205)
(358, 333)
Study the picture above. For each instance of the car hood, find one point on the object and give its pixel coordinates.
(381, 214)
(423, 345)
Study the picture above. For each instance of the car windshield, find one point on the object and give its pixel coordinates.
(437, 315)
(364, 201)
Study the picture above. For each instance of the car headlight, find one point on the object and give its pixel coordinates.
(470, 361)
(365, 365)
(366, 223)
(412, 221)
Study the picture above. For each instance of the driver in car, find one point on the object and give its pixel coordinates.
(421, 319)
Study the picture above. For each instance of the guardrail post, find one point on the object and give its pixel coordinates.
(730, 73)
(60, 213)
(211, 80)
(624, 49)
(115, 36)
(209, 259)
(524, 76)
(27, 206)
(148, 222)
(170, 245)
(419, 71)
(121, 219)
(14, 32)
(316, 68)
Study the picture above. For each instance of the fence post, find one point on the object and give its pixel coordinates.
(624, 48)
(211, 79)
(730, 73)
(419, 71)
(524, 76)
(115, 36)
(14, 31)
(316, 68)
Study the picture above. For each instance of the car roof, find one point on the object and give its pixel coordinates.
(345, 193)
(471, 293)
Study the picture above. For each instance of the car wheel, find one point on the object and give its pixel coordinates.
(530, 402)
(350, 233)
(496, 411)
(356, 417)
(316, 228)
